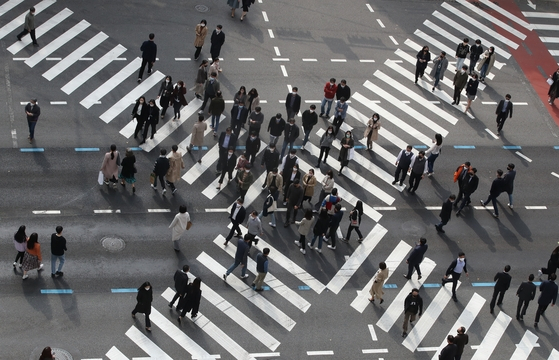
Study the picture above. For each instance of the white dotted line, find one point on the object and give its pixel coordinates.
(271, 33)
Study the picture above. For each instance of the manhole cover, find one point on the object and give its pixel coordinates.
(113, 243)
(61, 354)
(201, 8)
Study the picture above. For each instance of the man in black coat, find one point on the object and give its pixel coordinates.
(237, 217)
(217, 40)
(252, 147)
(343, 91)
(270, 160)
(239, 114)
(509, 182)
(310, 119)
(526, 292)
(416, 257)
(290, 134)
(294, 198)
(149, 54)
(413, 305)
(32, 110)
(275, 128)
(181, 282)
(497, 187)
(461, 178)
(293, 103)
(470, 186)
(502, 283)
(455, 270)
(152, 120)
(228, 165)
(460, 340)
(160, 169)
(226, 140)
(446, 212)
(504, 110)
(548, 295)
(449, 351)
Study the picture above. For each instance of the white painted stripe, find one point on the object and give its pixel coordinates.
(159, 210)
(93, 69)
(554, 52)
(384, 208)
(85, 58)
(115, 354)
(283, 70)
(309, 59)
(431, 348)
(338, 60)
(320, 353)
(555, 174)
(131, 97)
(551, 27)
(370, 7)
(433, 207)
(491, 339)
(554, 355)
(120, 59)
(19, 20)
(19, 59)
(276, 49)
(53, 59)
(395, 309)
(106, 211)
(145, 343)
(280, 59)
(479, 208)
(183, 59)
(536, 207)
(110, 84)
(367, 61)
(46, 212)
(393, 260)
(274, 283)
(520, 103)
(524, 348)
(511, 16)
(523, 156)
(541, 14)
(246, 59)
(393, 40)
(59, 103)
(372, 331)
(257, 355)
(429, 318)
(248, 293)
(374, 351)
(271, 33)
(489, 103)
(224, 210)
(380, 23)
(493, 19)
(492, 134)
(265, 16)
(7, 6)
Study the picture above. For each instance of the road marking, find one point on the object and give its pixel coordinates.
(523, 156)
(545, 27)
(536, 207)
(85, 58)
(374, 351)
(280, 59)
(18, 21)
(489, 103)
(380, 23)
(494, 20)
(464, 147)
(309, 59)
(106, 211)
(524, 348)
(512, 147)
(555, 174)
(540, 14)
(159, 210)
(320, 353)
(246, 59)
(338, 60)
(257, 355)
(367, 61)
(554, 355)
(372, 331)
(9, 5)
(276, 49)
(384, 208)
(46, 212)
(57, 291)
(59, 103)
(283, 70)
(265, 16)
(145, 343)
(32, 150)
(53, 59)
(493, 336)
(492, 134)
(393, 40)
(271, 33)
(124, 290)
(370, 7)
(115, 354)
(509, 15)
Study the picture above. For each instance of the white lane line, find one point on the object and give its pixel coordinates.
(493, 19)
(271, 33)
(540, 14)
(555, 174)
(145, 343)
(8, 6)
(385, 208)
(367, 61)
(375, 351)
(554, 355)
(276, 49)
(223, 210)
(283, 70)
(280, 59)
(554, 52)
(493, 336)
(106, 211)
(265, 355)
(59, 103)
(535, 207)
(372, 332)
(115, 354)
(433, 208)
(320, 353)
(19, 59)
(19, 20)
(523, 156)
(524, 348)
(393, 40)
(159, 210)
(86, 58)
(246, 59)
(338, 60)
(310, 60)
(46, 212)
(380, 23)
(53, 59)
(492, 134)
(489, 103)
(511, 16)
(370, 7)
(265, 16)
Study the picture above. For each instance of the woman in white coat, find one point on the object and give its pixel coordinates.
(486, 64)
(178, 226)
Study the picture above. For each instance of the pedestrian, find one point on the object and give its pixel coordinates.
(354, 222)
(128, 170)
(144, 298)
(164, 94)
(241, 257)
(201, 77)
(140, 113)
(339, 115)
(47, 354)
(239, 114)
(288, 179)
(460, 175)
(378, 282)
(244, 180)
(151, 121)
(455, 270)
(234, 5)
(330, 200)
(319, 230)
(504, 110)
(325, 144)
(228, 167)
(29, 26)
(334, 224)
(470, 186)
(149, 55)
(268, 208)
(176, 164)
(274, 183)
(160, 168)
(486, 63)
(413, 305)
(201, 31)
(227, 140)
(253, 100)
(293, 103)
(461, 338)
(329, 92)
(217, 40)
(552, 264)
(553, 91)
(270, 160)
(214, 67)
(240, 96)
(20, 243)
(289, 169)
(178, 99)
(475, 52)
(197, 137)
(32, 259)
(310, 119)
(291, 133)
(371, 131)
(179, 225)
(276, 126)
(304, 228)
(423, 57)
(181, 282)
(309, 182)
(254, 227)
(462, 50)
(439, 67)
(255, 120)
(191, 302)
(526, 292)
(211, 87)
(217, 106)
(57, 248)
(237, 217)
(109, 167)
(460, 80)
(449, 351)
(261, 269)
(343, 91)
(471, 91)
(346, 151)
(434, 152)
(328, 184)
(418, 169)
(416, 257)
(403, 162)
(497, 187)
(446, 212)
(241, 165)
(548, 294)
(294, 197)
(502, 283)
(32, 110)
(509, 182)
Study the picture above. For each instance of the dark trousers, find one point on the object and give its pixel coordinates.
(222, 160)
(455, 278)
(493, 199)
(411, 266)
(31, 33)
(459, 196)
(164, 103)
(321, 197)
(302, 239)
(206, 98)
(323, 150)
(139, 126)
(31, 125)
(290, 208)
(522, 304)
(251, 156)
(171, 185)
(214, 51)
(350, 229)
(456, 96)
(337, 123)
(501, 118)
(465, 201)
(148, 322)
(415, 179)
(177, 296)
(540, 311)
(332, 234)
(161, 180)
(420, 70)
(19, 256)
(397, 174)
(142, 68)
(197, 53)
(501, 294)
(234, 227)
(224, 171)
(177, 109)
(146, 128)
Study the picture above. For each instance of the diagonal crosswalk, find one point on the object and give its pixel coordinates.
(17, 23)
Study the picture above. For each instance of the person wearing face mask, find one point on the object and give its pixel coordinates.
(197, 136)
(239, 115)
(253, 100)
(455, 270)
(462, 50)
(294, 174)
(140, 113)
(475, 52)
(214, 67)
(293, 103)
(346, 152)
(201, 77)
(304, 228)
(439, 67)
(310, 119)
(288, 163)
(446, 212)
(217, 106)
(339, 115)
(343, 91)
(274, 183)
(553, 87)
(403, 162)
(434, 152)
(413, 305)
(309, 182)
(201, 32)
(151, 121)
(176, 164)
(237, 217)
(217, 40)
(255, 121)
(211, 87)
(244, 180)
(227, 168)
(328, 184)
(275, 128)
(504, 110)
(325, 144)
(371, 132)
(293, 197)
(470, 184)
(270, 160)
(164, 94)
(144, 298)
(471, 91)
(329, 92)
(418, 169)
(269, 207)
(423, 57)
(486, 63)
(252, 147)
(459, 82)
(254, 227)
(290, 134)
(191, 302)
(149, 55)
(178, 99)
(226, 140)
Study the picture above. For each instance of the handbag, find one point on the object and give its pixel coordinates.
(152, 178)
(351, 154)
(550, 81)
(188, 225)
(354, 222)
(100, 178)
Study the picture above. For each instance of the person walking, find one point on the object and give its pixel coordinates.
(140, 114)
(460, 80)
(328, 184)
(241, 257)
(319, 230)
(509, 182)
(261, 269)
(446, 213)
(343, 90)
(470, 186)
(548, 295)
(270, 160)
(526, 292)
(553, 91)
(325, 144)
(497, 187)
(246, 6)
(211, 87)
(504, 110)
(413, 306)
(254, 227)
(201, 77)
(475, 52)
(227, 140)
(32, 110)
(239, 114)
(334, 224)
(460, 176)
(244, 180)
(403, 162)
(227, 168)
(201, 31)
(449, 351)
(234, 4)
(128, 170)
(255, 120)
(288, 179)
(217, 39)
(197, 137)
(152, 120)
(32, 259)
(160, 169)
(268, 208)
(310, 119)
(289, 169)
(294, 197)
(418, 169)
(471, 91)
(176, 164)
(47, 354)
(304, 228)
(274, 183)
(20, 243)
(486, 63)
(291, 133)
(240, 96)
(144, 298)
(462, 50)
(502, 283)
(552, 264)
(329, 92)
(460, 339)
(378, 282)
(276, 126)
(29, 27)
(309, 182)
(57, 249)
(149, 55)
(423, 57)
(371, 131)
(214, 67)
(237, 216)
(440, 65)
(109, 167)
(178, 99)
(253, 100)
(181, 282)
(416, 257)
(339, 115)
(354, 222)
(179, 225)
(164, 94)
(434, 152)
(191, 302)
(293, 103)
(346, 151)
(455, 270)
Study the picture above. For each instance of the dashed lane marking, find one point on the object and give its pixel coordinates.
(523, 156)
(380, 23)
(271, 33)
(283, 70)
(370, 7)
(393, 40)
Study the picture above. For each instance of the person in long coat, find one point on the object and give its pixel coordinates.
(347, 144)
(486, 64)
(178, 99)
(309, 182)
(553, 88)
(423, 57)
(201, 77)
(371, 131)
(152, 120)
(128, 170)
(178, 226)
(197, 136)
(176, 164)
(110, 165)
(144, 299)
(378, 282)
(140, 113)
(440, 65)
(234, 5)
(164, 95)
(201, 32)
(191, 302)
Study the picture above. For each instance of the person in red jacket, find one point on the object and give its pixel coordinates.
(329, 92)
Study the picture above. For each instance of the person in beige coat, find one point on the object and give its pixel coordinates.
(309, 181)
(178, 226)
(197, 136)
(486, 63)
(175, 166)
(379, 279)
(110, 165)
(371, 132)
(201, 32)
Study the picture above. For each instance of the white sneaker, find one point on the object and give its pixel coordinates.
(25, 277)
(272, 225)
(164, 191)
(331, 247)
(298, 243)
(40, 267)
(15, 263)
(244, 276)
(303, 251)
(302, 148)
(309, 244)
(510, 206)
(540, 273)
(318, 250)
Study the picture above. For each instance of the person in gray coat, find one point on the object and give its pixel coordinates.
(29, 26)
(439, 67)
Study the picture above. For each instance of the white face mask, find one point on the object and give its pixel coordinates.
(202, 25)
(167, 81)
(311, 111)
(147, 288)
(151, 105)
(343, 86)
(247, 170)
(462, 71)
(217, 31)
(294, 169)
(347, 135)
(253, 217)
(230, 154)
(460, 259)
(252, 137)
(329, 131)
(241, 106)
(291, 156)
(290, 124)
(294, 93)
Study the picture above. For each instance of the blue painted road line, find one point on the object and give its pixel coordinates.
(464, 147)
(512, 147)
(432, 285)
(556, 147)
(390, 286)
(32, 149)
(357, 147)
(57, 291)
(124, 290)
(420, 146)
(537, 283)
(483, 284)
(137, 148)
(304, 287)
(196, 148)
(86, 149)
(241, 147)
(266, 288)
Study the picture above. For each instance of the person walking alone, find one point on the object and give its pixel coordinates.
(455, 270)
(181, 282)
(548, 295)
(261, 269)
(460, 80)
(149, 55)
(446, 212)
(29, 26)
(201, 31)
(241, 257)
(20, 243)
(526, 292)
(413, 305)
(380, 277)
(509, 183)
(160, 169)
(416, 257)
(339, 115)
(110, 165)
(32, 110)
(434, 152)
(237, 217)
(497, 187)
(217, 40)
(57, 249)
(325, 144)
(502, 284)
(471, 91)
(293, 103)
(176, 164)
(439, 67)
(197, 137)
(310, 119)
(140, 114)
(354, 222)
(179, 225)
(32, 259)
(178, 99)
(371, 131)
(144, 298)
(346, 151)
(504, 110)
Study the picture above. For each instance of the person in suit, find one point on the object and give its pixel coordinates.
(291, 133)
(293, 103)
(226, 140)
(32, 110)
(343, 91)
(475, 53)
(449, 351)
(548, 296)
(164, 94)
(151, 121)
(502, 283)
(439, 67)
(241, 256)
(418, 169)
(509, 182)
(178, 99)
(459, 82)
(413, 305)
(239, 114)
(191, 302)
(461, 340)
(211, 87)
(181, 282)
(423, 57)
(416, 257)
(252, 147)
(468, 188)
(160, 169)
(217, 105)
(144, 298)
(460, 176)
(237, 217)
(403, 162)
(310, 119)
(446, 212)
(140, 113)
(497, 187)
(255, 120)
(293, 197)
(217, 40)
(339, 115)
(228, 166)
(276, 126)
(526, 292)
(504, 110)
(288, 178)
(552, 264)
(149, 54)
(455, 270)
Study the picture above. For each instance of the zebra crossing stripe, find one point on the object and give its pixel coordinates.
(18, 21)
(75, 56)
(184, 144)
(540, 14)
(492, 338)
(57, 43)
(393, 260)
(297, 300)
(492, 19)
(548, 39)
(115, 354)
(524, 348)
(511, 16)
(554, 355)
(4, 8)
(145, 343)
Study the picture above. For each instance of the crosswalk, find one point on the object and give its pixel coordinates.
(550, 26)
